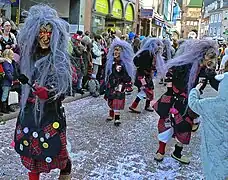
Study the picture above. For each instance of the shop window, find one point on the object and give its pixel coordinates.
(216, 18)
(211, 30)
(218, 32)
(220, 17)
(212, 18)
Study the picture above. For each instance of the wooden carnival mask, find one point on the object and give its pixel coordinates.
(45, 36)
(210, 59)
(117, 52)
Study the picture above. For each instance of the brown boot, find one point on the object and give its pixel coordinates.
(65, 177)
(65, 174)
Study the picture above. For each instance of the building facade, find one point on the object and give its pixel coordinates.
(191, 17)
(113, 14)
(218, 23)
(70, 10)
(156, 17)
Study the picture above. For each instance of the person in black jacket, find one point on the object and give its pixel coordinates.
(147, 61)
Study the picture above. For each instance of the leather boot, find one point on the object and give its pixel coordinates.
(178, 156)
(64, 177)
(4, 108)
(65, 174)
(1, 114)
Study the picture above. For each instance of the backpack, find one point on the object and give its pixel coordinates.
(2, 72)
(74, 75)
(94, 87)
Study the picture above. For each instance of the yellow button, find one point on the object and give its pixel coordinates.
(45, 145)
(25, 143)
(55, 125)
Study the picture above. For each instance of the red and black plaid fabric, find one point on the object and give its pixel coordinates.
(182, 137)
(19, 135)
(161, 126)
(41, 166)
(49, 129)
(149, 93)
(35, 147)
(116, 104)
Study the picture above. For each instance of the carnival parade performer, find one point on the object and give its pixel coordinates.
(168, 53)
(40, 135)
(120, 70)
(176, 119)
(147, 61)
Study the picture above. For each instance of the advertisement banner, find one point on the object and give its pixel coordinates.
(13, 2)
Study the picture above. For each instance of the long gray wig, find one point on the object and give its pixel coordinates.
(126, 57)
(155, 47)
(54, 69)
(193, 52)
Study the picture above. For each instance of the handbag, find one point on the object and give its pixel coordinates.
(13, 98)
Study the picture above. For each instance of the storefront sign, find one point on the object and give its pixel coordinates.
(102, 6)
(158, 23)
(146, 13)
(129, 13)
(14, 2)
(117, 10)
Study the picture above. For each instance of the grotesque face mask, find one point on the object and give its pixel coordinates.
(210, 59)
(45, 36)
(117, 52)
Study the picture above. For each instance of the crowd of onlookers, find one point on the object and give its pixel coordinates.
(9, 66)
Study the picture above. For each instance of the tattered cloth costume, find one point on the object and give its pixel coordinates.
(40, 135)
(119, 71)
(146, 61)
(176, 118)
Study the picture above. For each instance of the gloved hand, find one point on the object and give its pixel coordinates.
(41, 92)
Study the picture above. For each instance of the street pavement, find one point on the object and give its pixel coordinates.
(101, 151)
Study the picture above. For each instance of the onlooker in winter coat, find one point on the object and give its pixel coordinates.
(78, 50)
(136, 45)
(87, 58)
(224, 60)
(7, 39)
(96, 54)
(8, 79)
(214, 128)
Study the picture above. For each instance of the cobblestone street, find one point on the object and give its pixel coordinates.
(99, 150)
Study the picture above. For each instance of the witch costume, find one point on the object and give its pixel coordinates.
(40, 135)
(147, 61)
(176, 118)
(120, 70)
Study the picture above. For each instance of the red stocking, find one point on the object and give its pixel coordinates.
(34, 176)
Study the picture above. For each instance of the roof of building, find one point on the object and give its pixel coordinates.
(218, 10)
(195, 4)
